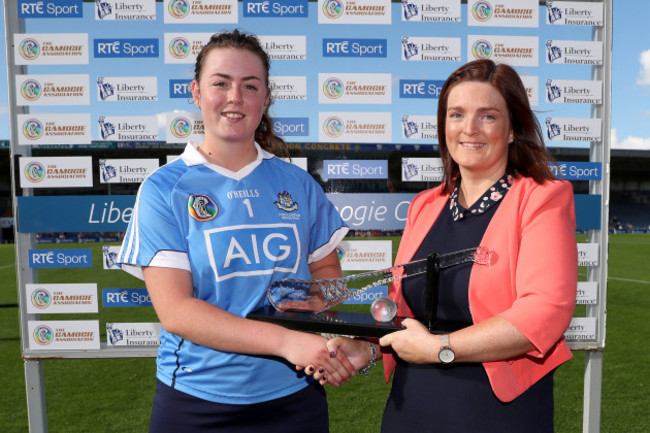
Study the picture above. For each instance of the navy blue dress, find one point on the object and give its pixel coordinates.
(458, 397)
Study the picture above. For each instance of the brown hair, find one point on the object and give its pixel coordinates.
(264, 134)
(527, 154)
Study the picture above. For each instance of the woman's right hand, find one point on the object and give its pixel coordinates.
(355, 351)
(312, 350)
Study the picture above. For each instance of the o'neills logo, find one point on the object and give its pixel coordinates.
(32, 129)
(333, 126)
(181, 127)
(333, 8)
(482, 11)
(29, 48)
(333, 88)
(179, 48)
(43, 335)
(34, 172)
(179, 8)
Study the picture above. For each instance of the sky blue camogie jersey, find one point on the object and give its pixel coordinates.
(236, 232)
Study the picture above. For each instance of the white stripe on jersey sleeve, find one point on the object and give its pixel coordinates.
(324, 250)
(162, 259)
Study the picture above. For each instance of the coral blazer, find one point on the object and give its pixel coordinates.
(531, 281)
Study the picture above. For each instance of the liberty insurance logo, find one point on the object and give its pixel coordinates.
(482, 49)
(333, 126)
(29, 48)
(333, 8)
(333, 88)
(34, 172)
(410, 10)
(179, 48)
(482, 11)
(43, 335)
(32, 129)
(181, 127)
(552, 129)
(179, 8)
(554, 13)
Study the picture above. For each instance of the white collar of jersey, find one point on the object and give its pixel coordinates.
(191, 156)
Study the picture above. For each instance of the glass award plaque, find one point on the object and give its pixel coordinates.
(305, 305)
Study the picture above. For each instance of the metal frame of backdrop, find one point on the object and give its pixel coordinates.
(599, 152)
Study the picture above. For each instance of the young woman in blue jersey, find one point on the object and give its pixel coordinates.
(209, 233)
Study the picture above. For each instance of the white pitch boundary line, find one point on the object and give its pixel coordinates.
(628, 280)
(6, 266)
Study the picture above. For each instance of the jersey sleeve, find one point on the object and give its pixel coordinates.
(327, 226)
(154, 236)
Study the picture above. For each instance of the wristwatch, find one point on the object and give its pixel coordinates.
(446, 355)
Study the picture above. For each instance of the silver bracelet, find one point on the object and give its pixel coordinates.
(373, 360)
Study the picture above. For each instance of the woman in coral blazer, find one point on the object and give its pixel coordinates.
(495, 374)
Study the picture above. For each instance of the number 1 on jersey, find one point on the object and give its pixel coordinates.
(247, 202)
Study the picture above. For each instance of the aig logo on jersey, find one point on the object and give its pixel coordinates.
(202, 207)
(253, 249)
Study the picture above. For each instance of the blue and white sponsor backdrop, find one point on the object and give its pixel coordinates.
(344, 73)
(354, 71)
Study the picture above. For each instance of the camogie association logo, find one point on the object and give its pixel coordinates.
(41, 298)
(34, 172)
(31, 90)
(179, 8)
(333, 127)
(179, 48)
(43, 335)
(285, 202)
(29, 48)
(32, 129)
(482, 11)
(482, 49)
(333, 8)
(201, 207)
(333, 88)
(181, 127)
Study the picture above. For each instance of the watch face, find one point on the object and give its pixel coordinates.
(446, 355)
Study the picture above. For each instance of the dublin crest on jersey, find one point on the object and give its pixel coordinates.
(285, 202)
(201, 207)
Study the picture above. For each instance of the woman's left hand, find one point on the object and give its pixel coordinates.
(414, 344)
